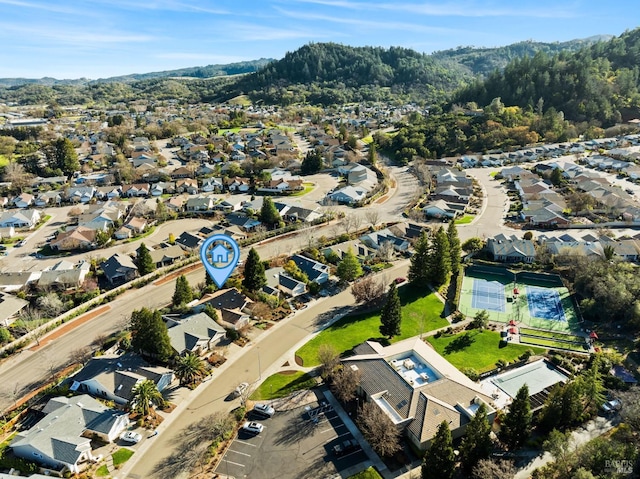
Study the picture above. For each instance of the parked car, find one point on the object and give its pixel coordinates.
(237, 392)
(346, 447)
(400, 280)
(131, 436)
(21, 243)
(252, 427)
(264, 410)
(612, 406)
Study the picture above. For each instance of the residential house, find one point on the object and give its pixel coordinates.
(24, 200)
(294, 213)
(26, 219)
(182, 172)
(136, 190)
(108, 192)
(452, 194)
(7, 232)
(187, 185)
(544, 217)
(15, 281)
(119, 269)
(290, 286)
(230, 204)
(210, 185)
(376, 239)
(162, 187)
(137, 224)
(443, 209)
(113, 377)
(359, 249)
(511, 249)
(80, 194)
(64, 275)
(348, 195)
(315, 271)
(166, 256)
(563, 251)
(626, 249)
(282, 185)
(48, 198)
(11, 306)
(189, 241)
(196, 334)
(238, 184)
(200, 203)
(417, 389)
(232, 307)
(176, 203)
(62, 439)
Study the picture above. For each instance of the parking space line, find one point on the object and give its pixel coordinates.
(238, 452)
(345, 434)
(326, 430)
(340, 425)
(247, 443)
(234, 463)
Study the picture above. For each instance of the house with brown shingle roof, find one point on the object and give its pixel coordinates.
(417, 388)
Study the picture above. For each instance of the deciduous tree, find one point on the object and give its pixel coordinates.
(344, 382)
(378, 430)
(349, 268)
(367, 290)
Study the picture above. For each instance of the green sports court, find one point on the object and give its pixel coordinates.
(536, 300)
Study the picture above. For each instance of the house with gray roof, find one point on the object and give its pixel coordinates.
(166, 256)
(10, 306)
(512, 250)
(62, 439)
(113, 377)
(194, 334)
(417, 389)
(315, 271)
(119, 269)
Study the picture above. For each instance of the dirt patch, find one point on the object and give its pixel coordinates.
(382, 199)
(288, 372)
(299, 361)
(65, 328)
(175, 274)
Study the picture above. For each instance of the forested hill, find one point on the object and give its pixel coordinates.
(333, 73)
(483, 61)
(600, 82)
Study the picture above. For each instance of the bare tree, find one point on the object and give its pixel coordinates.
(385, 251)
(261, 310)
(488, 469)
(30, 322)
(378, 430)
(416, 214)
(81, 355)
(372, 216)
(344, 382)
(367, 290)
(329, 359)
(351, 222)
(15, 174)
(50, 305)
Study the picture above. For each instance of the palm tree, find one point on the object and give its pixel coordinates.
(144, 396)
(189, 369)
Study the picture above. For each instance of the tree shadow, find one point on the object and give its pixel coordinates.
(299, 428)
(460, 343)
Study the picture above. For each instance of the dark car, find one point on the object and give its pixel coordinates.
(346, 447)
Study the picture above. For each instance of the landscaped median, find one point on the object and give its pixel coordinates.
(282, 384)
(420, 314)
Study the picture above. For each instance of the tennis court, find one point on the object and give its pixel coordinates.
(544, 303)
(488, 295)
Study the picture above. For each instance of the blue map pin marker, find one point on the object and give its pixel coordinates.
(220, 255)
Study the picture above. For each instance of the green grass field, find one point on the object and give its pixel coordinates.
(480, 350)
(102, 471)
(419, 315)
(308, 187)
(465, 220)
(281, 385)
(121, 456)
(369, 473)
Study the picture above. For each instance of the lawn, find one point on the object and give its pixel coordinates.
(550, 343)
(282, 384)
(479, 350)
(4, 161)
(465, 220)
(308, 187)
(121, 456)
(419, 315)
(102, 471)
(368, 473)
(551, 334)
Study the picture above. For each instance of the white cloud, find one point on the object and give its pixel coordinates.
(68, 36)
(163, 5)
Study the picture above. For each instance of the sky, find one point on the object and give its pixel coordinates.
(103, 38)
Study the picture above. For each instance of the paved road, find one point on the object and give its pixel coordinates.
(263, 356)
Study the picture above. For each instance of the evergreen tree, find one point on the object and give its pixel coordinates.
(440, 461)
(269, 214)
(476, 443)
(373, 154)
(149, 334)
(190, 369)
(65, 156)
(254, 277)
(419, 272)
(516, 426)
(144, 262)
(391, 315)
(312, 162)
(349, 268)
(183, 293)
(454, 247)
(439, 259)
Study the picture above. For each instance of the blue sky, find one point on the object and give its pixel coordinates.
(102, 38)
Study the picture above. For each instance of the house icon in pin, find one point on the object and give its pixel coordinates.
(220, 254)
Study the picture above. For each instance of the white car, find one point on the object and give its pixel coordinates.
(264, 410)
(252, 427)
(130, 436)
(237, 392)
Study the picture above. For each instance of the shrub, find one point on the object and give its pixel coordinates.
(471, 373)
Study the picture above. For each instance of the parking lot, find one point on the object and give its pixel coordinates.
(298, 443)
